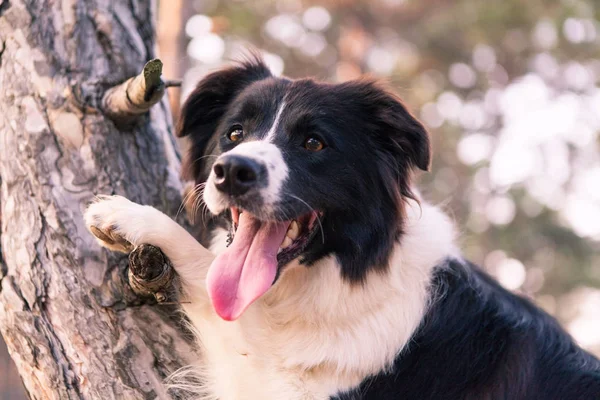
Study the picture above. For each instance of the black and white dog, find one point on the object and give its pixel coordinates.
(321, 274)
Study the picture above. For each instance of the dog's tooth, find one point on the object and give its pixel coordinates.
(286, 242)
(293, 230)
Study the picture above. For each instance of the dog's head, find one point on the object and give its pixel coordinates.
(300, 170)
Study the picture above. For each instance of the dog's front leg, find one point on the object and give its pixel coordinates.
(120, 225)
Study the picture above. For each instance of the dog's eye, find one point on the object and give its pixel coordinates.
(313, 144)
(236, 133)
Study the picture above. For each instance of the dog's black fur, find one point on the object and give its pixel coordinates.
(477, 340)
(481, 342)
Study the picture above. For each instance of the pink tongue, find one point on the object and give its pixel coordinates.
(247, 269)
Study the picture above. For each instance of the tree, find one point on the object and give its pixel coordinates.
(68, 131)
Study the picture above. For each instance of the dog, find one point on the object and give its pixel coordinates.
(320, 273)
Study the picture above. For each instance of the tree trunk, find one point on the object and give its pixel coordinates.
(71, 323)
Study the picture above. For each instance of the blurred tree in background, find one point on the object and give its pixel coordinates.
(509, 91)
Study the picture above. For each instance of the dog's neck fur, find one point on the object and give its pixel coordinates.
(322, 334)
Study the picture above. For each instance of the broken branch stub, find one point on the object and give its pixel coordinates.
(150, 272)
(135, 96)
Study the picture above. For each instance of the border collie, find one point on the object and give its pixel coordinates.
(321, 273)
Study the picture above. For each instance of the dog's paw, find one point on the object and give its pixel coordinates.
(112, 220)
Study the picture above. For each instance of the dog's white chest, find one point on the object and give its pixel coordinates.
(313, 335)
(242, 370)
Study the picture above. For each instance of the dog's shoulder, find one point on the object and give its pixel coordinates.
(479, 341)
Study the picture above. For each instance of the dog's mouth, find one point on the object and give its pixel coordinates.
(297, 236)
(252, 261)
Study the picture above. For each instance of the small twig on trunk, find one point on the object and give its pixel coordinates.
(151, 273)
(125, 102)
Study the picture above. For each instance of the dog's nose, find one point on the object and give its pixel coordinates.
(235, 175)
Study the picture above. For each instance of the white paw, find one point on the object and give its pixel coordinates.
(115, 222)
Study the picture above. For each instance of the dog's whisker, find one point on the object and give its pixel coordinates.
(203, 157)
(186, 198)
(200, 205)
(316, 213)
(199, 190)
(195, 208)
(203, 208)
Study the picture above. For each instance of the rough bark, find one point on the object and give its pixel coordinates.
(72, 325)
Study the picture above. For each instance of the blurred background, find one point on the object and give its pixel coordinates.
(508, 89)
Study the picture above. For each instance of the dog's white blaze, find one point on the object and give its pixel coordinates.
(271, 134)
(263, 152)
(312, 335)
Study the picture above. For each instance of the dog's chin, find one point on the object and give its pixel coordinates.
(300, 233)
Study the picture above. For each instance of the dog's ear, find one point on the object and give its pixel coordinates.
(405, 131)
(203, 109)
(206, 104)
(400, 134)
